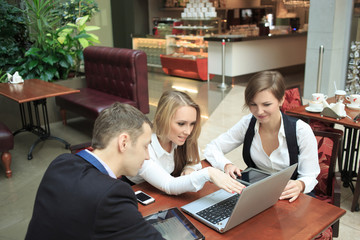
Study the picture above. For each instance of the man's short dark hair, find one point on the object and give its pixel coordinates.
(117, 119)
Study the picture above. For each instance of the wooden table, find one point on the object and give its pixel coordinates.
(35, 91)
(303, 219)
(349, 159)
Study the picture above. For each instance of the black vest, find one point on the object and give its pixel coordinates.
(290, 134)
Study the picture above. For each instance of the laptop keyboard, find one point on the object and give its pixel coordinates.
(220, 210)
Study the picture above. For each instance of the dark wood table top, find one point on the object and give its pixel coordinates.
(33, 89)
(303, 219)
(300, 112)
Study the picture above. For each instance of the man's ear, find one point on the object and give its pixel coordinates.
(123, 141)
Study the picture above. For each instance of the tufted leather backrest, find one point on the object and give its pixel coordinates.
(118, 71)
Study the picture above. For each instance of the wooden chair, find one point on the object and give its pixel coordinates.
(328, 188)
(6, 144)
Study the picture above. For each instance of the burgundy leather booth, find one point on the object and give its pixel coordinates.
(112, 75)
(6, 144)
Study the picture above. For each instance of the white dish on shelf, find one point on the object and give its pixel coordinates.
(354, 107)
(309, 109)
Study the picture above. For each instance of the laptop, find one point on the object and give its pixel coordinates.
(222, 210)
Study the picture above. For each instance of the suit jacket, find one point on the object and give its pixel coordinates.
(76, 201)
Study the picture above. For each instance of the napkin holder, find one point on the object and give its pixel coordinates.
(328, 112)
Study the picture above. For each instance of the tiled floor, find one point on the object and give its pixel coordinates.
(220, 110)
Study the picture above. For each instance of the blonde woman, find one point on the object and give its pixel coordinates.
(174, 166)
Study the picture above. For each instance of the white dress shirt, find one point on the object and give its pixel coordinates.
(308, 163)
(157, 171)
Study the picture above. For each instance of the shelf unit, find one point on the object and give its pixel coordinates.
(200, 26)
(187, 53)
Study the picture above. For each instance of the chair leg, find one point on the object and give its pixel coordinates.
(355, 201)
(335, 228)
(63, 116)
(6, 159)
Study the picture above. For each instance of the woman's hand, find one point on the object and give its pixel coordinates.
(232, 170)
(293, 190)
(224, 181)
(187, 171)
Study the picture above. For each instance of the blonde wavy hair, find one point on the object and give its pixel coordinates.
(169, 103)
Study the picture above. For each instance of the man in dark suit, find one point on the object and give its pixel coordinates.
(81, 197)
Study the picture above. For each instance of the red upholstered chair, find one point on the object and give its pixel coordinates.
(6, 144)
(329, 144)
(328, 187)
(292, 99)
(112, 75)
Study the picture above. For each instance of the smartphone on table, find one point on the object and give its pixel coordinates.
(144, 198)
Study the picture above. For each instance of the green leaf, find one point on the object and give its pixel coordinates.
(50, 59)
(84, 43)
(82, 35)
(33, 51)
(93, 38)
(91, 28)
(82, 20)
(61, 39)
(64, 64)
(72, 25)
(30, 76)
(47, 75)
(33, 64)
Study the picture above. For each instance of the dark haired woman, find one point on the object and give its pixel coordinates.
(271, 140)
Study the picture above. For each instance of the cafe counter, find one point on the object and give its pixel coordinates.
(245, 55)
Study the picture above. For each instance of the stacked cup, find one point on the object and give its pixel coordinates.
(339, 107)
(316, 104)
(340, 95)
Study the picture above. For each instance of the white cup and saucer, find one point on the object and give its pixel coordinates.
(319, 97)
(315, 106)
(354, 100)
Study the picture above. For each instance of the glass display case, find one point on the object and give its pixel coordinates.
(153, 47)
(187, 46)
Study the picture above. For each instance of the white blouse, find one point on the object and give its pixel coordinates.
(308, 163)
(157, 171)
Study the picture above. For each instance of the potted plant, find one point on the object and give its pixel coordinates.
(75, 37)
(56, 49)
(14, 39)
(45, 59)
(73, 9)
